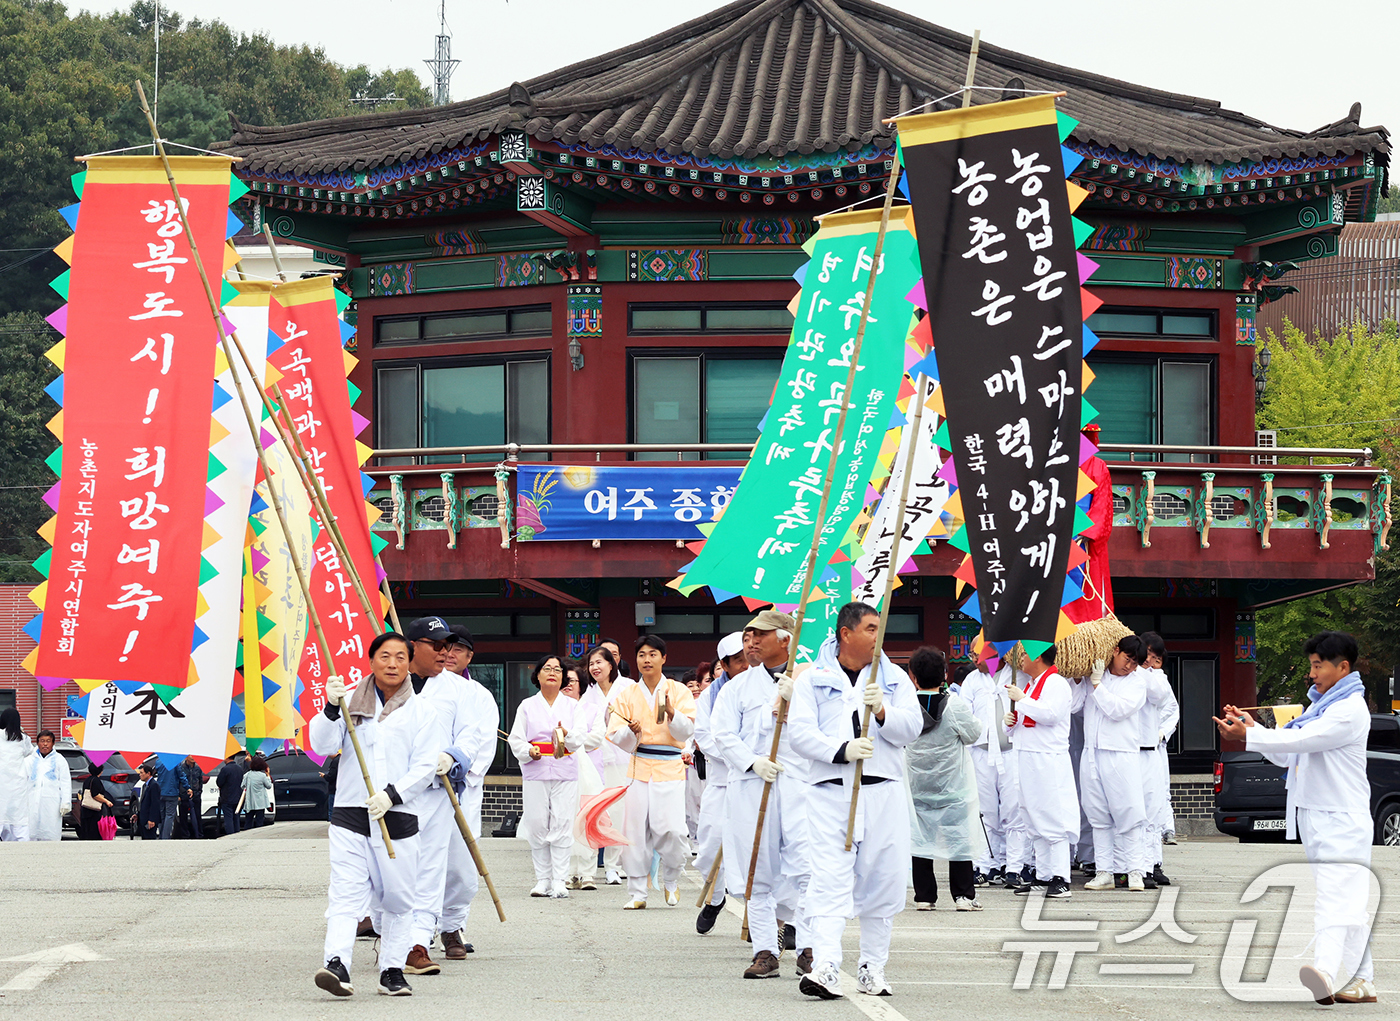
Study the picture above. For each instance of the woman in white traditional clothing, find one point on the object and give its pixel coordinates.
(549, 728)
(944, 820)
(590, 780)
(15, 787)
(609, 760)
(53, 790)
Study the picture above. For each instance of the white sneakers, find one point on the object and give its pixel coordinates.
(1135, 882)
(558, 890)
(871, 981)
(1318, 983)
(540, 889)
(824, 981)
(1358, 990)
(1104, 881)
(673, 897)
(923, 905)
(613, 878)
(634, 905)
(967, 904)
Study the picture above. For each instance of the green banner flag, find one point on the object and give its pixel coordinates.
(759, 547)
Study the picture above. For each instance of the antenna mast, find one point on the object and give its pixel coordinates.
(442, 65)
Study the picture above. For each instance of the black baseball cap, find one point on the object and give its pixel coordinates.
(430, 629)
(463, 636)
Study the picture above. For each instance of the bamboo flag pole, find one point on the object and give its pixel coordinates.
(811, 570)
(709, 887)
(313, 485)
(895, 562)
(262, 454)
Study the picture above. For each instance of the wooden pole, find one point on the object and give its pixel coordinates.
(272, 247)
(262, 454)
(873, 681)
(810, 573)
(466, 832)
(710, 879)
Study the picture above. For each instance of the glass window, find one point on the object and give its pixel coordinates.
(531, 320)
(907, 623)
(748, 320)
(397, 329)
(1104, 323)
(464, 325)
(534, 624)
(398, 409)
(489, 322)
(527, 401)
(731, 622)
(737, 394)
(1134, 322)
(686, 320)
(1150, 402)
(685, 623)
(1185, 405)
(1198, 704)
(667, 403)
(464, 406)
(1187, 325)
(1125, 394)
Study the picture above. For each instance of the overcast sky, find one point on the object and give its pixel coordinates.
(1294, 63)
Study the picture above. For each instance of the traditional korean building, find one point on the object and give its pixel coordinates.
(600, 258)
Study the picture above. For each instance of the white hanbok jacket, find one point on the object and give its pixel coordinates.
(401, 750)
(53, 795)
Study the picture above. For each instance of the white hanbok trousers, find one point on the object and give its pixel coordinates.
(989, 784)
(461, 885)
(869, 881)
(1019, 850)
(654, 820)
(781, 874)
(1112, 788)
(364, 876)
(1338, 845)
(709, 836)
(547, 822)
(1155, 788)
(1049, 808)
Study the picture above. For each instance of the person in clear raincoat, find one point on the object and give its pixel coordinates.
(944, 817)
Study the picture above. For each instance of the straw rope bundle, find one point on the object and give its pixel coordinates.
(1093, 640)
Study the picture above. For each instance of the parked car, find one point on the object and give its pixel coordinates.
(1250, 796)
(118, 776)
(212, 820)
(299, 785)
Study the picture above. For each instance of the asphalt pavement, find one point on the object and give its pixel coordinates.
(184, 929)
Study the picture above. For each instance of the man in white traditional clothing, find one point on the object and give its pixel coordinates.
(989, 752)
(743, 722)
(1329, 808)
(53, 790)
(1039, 728)
(868, 881)
(400, 734)
(709, 833)
(1157, 723)
(1110, 770)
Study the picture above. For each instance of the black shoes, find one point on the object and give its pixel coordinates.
(1160, 877)
(1025, 888)
(706, 919)
(334, 979)
(788, 937)
(1058, 888)
(392, 983)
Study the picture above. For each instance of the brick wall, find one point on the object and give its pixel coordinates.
(16, 610)
(1193, 797)
(499, 796)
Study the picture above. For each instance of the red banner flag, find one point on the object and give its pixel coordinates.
(305, 351)
(138, 385)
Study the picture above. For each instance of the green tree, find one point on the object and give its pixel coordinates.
(1342, 391)
(24, 411)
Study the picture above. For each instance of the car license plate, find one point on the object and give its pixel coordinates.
(1269, 824)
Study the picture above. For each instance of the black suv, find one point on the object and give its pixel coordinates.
(118, 776)
(298, 784)
(1250, 795)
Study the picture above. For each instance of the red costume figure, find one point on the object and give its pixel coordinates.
(1098, 589)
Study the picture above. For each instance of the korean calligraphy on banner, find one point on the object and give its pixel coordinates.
(927, 495)
(306, 358)
(139, 359)
(758, 550)
(631, 502)
(1001, 277)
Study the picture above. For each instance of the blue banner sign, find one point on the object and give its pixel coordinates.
(632, 501)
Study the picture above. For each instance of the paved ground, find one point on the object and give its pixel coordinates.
(236, 925)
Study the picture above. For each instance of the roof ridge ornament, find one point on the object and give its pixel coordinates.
(519, 98)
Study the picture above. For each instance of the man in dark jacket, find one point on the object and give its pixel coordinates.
(191, 791)
(230, 783)
(148, 814)
(169, 798)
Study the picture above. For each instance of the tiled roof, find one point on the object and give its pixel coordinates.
(761, 79)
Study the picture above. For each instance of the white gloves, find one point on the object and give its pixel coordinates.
(1161, 737)
(860, 748)
(1015, 692)
(335, 690)
(872, 698)
(445, 763)
(784, 687)
(766, 769)
(378, 805)
(1096, 673)
(1009, 719)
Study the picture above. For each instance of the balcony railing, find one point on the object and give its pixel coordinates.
(1220, 487)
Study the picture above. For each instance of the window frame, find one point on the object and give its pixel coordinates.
(465, 361)
(467, 313)
(1213, 337)
(1157, 359)
(703, 354)
(704, 307)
